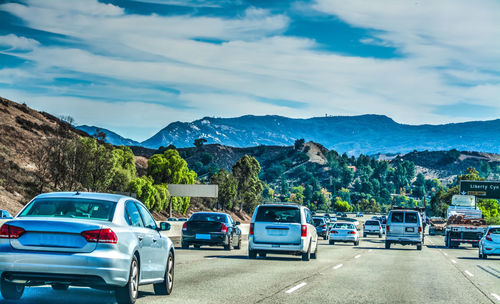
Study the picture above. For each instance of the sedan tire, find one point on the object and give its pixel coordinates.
(128, 293)
(229, 245)
(165, 287)
(331, 242)
(11, 291)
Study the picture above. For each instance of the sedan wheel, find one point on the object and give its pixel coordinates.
(165, 287)
(11, 291)
(128, 293)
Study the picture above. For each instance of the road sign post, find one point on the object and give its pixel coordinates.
(481, 189)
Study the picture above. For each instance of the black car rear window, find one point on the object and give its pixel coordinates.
(209, 217)
(411, 217)
(278, 214)
(374, 223)
(318, 222)
(397, 217)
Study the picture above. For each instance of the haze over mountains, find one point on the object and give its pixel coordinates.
(364, 134)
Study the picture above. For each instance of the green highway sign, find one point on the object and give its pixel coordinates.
(481, 189)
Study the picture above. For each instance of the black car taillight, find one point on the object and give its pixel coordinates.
(185, 226)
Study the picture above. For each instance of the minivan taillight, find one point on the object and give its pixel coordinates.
(11, 232)
(303, 232)
(185, 226)
(105, 235)
(223, 229)
(387, 228)
(250, 232)
(488, 237)
(420, 229)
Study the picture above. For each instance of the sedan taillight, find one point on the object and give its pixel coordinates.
(488, 237)
(352, 232)
(11, 232)
(223, 229)
(334, 231)
(105, 235)
(387, 228)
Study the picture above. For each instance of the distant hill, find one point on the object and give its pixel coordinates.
(111, 137)
(365, 134)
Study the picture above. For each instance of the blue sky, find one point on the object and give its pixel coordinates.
(135, 66)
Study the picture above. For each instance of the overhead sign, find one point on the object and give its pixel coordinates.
(463, 200)
(481, 189)
(193, 190)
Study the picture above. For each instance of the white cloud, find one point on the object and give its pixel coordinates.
(255, 62)
(19, 43)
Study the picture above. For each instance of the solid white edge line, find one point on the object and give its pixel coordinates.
(358, 256)
(445, 253)
(296, 287)
(496, 296)
(370, 250)
(468, 273)
(338, 266)
(453, 261)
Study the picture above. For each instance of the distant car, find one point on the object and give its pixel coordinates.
(5, 214)
(372, 227)
(490, 242)
(183, 219)
(212, 229)
(103, 241)
(341, 214)
(344, 232)
(282, 229)
(172, 219)
(404, 227)
(359, 214)
(321, 227)
(333, 218)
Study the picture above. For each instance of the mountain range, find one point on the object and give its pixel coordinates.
(363, 134)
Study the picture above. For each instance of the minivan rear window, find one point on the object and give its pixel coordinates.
(278, 214)
(397, 217)
(411, 217)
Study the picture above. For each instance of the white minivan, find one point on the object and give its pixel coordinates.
(282, 228)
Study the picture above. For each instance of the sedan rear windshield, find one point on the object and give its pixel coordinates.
(344, 226)
(494, 231)
(71, 208)
(278, 214)
(318, 222)
(372, 223)
(209, 217)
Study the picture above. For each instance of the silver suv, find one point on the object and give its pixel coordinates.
(404, 227)
(282, 228)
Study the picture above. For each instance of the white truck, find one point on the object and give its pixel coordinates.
(464, 222)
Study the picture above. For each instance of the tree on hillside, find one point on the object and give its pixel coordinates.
(198, 143)
(227, 189)
(299, 143)
(246, 172)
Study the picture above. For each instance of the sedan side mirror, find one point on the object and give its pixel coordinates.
(238, 223)
(164, 226)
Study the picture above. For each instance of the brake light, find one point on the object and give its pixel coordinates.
(352, 232)
(223, 229)
(11, 232)
(303, 232)
(488, 237)
(387, 228)
(105, 235)
(334, 231)
(419, 229)
(185, 226)
(324, 226)
(250, 232)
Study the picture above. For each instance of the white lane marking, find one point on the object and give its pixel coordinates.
(445, 253)
(496, 296)
(210, 258)
(358, 256)
(296, 287)
(370, 250)
(338, 266)
(468, 273)
(453, 261)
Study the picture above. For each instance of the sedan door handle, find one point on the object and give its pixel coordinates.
(155, 240)
(140, 238)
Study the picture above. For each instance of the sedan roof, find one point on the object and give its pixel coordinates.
(85, 195)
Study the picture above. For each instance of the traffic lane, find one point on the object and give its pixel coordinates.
(397, 275)
(232, 277)
(485, 274)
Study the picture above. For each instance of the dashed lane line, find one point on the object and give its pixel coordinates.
(338, 266)
(289, 291)
(358, 256)
(453, 261)
(468, 273)
(445, 253)
(496, 296)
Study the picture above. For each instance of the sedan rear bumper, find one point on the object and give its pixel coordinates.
(97, 268)
(345, 238)
(216, 239)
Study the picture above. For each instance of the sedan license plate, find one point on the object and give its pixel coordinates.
(410, 229)
(202, 236)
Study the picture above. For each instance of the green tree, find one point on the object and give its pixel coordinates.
(198, 143)
(342, 206)
(228, 193)
(246, 172)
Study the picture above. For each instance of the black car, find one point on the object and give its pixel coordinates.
(211, 229)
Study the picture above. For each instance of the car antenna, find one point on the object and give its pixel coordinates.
(77, 192)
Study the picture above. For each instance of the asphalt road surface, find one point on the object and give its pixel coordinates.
(367, 273)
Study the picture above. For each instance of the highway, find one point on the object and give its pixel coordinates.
(342, 273)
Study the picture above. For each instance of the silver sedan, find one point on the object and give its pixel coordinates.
(85, 239)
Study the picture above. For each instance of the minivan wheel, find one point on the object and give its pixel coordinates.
(419, 246)
(387, 244)
(314, 255)
(128, 293)
(165, 287)
(11, 291)
(307, 255)
(252, 254)
(61, 287)
(331, 242)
